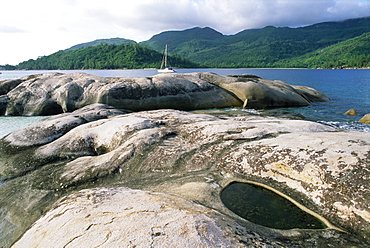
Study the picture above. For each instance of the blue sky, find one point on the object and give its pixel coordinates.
(29, 29)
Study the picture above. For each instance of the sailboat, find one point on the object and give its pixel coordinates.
(164, 67)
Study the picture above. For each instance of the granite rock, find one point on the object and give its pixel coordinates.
(194, 156)
(55, 93)
(122, 217)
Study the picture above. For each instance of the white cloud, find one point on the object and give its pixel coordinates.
(40, 27)
(9, 29)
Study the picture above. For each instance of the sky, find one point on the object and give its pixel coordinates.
(29, 29)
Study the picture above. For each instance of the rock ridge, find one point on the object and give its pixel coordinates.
(55, 93)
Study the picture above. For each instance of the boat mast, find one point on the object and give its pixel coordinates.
(165, 56)
(164, 59)
(164, 67)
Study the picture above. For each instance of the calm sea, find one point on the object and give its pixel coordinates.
(347, 89)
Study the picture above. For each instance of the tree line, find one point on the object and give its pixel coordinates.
(264, 53)
(105, 56)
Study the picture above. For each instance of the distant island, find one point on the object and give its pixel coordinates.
(343, 44)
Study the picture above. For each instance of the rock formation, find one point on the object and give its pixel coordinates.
(187, 159)
(365, 119)
(55, 93)
(351, 112)
(121, 217)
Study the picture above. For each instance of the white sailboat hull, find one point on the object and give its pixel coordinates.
(166, 70)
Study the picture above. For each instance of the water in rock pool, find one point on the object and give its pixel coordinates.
(264, 207)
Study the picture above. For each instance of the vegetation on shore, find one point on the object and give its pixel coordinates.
(352, 53)
(344, 44)
(125, 56)
(272, 47)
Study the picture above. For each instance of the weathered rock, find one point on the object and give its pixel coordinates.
(8, 85)
(51, 128)
(365, 119)
(256, 92)
(310, 94)
(351, 112)
(4, 100)
(121, 217)
(55, 93)
(194, 156)
(48, 130)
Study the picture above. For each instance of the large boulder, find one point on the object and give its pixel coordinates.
(256, 92)
(55, 93)
(192, 156)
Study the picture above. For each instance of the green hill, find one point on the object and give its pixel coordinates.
(354, 52)
(112, 41)
(128, 56)
(327, 44)
(256, 47)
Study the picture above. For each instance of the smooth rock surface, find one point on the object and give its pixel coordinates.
(194, 156)
(365, 119)
(54, 93)
(51, 128)
(121, 217)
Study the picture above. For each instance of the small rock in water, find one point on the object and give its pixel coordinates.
(351, 112)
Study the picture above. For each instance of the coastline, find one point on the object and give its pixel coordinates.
(338, 85)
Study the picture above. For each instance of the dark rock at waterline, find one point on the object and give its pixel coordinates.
(191, 156)
(54, 93)
(8, 85)
(4, 100)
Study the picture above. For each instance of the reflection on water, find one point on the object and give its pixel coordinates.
(264, 207)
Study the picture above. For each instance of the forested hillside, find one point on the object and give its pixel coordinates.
(112, 41)
(326, 45)
(257, 47)
(350, 53)
(128, 56)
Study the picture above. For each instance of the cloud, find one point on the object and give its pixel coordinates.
(10, 29)
(40, 27)
(235, 15)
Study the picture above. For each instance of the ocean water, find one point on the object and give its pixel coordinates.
(347, 89)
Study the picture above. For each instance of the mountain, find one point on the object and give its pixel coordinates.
(256, 47)
(181, 42)
(353, 52)
(112, 41)
(326, 44)
(130, 56)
